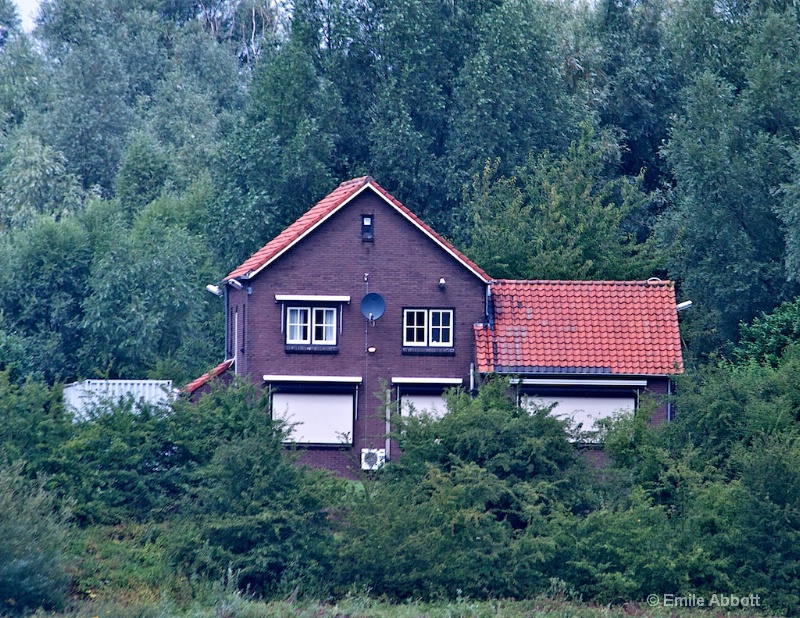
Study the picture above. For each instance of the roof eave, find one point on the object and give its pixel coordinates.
(598, 376)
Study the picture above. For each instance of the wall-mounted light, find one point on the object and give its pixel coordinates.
(442, 283)
(235, 284)
(214, 289)
(372, 349)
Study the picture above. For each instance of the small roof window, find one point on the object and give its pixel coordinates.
(367, 228)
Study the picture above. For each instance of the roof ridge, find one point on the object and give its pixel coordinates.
(648, 282)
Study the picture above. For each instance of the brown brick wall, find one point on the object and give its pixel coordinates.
(660, 388)
(404, 266)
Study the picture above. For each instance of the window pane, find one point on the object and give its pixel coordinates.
(414, 332)
(325, 326)
(441, 327)
(297, 330)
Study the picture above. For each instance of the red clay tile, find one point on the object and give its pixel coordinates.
(207, 377)
(621, 327)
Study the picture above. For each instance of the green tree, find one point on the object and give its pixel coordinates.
(422, 47)
(35, 182)
(702, 38)
(289, 123)
(45, 313)
(34, 423)
(10, 24)
(117, 466)
(144, 172)
(633, 80)
(146, 304)
(768, 336)
(509, 97)
(472, 507)
(22, 80)
(90, 115)
(248, 507)
(724, 241)
(560, 218)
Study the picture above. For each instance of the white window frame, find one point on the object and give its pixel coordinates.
(298, 324)
(440, 327)
(328, 326)
(428, 328)
(416, 327)
(326, 321)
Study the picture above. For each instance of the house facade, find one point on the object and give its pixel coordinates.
(359, 308)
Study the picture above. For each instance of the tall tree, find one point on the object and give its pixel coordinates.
(560, 218)
(10, 24)
(146, 309)
(724, 239)
(47, 267)
(90, 115)
(290, 123)
(509, 99)
(731, 238)
(632, 77)
(35, 182)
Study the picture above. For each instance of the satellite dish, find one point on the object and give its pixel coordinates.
(373, 306)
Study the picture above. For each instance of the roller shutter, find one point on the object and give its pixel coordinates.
(432, 404)
(316, 418)
(582, 410)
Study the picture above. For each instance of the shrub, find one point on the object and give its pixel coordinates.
(472, 507)
(251, 509)
(33, 538)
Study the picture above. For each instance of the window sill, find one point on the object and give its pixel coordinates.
(293, 348)
(428, 351)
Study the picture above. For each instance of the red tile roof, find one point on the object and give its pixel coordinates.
(581, 327)
(207, 377)
(321, 212)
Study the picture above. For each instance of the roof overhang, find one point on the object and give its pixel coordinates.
(314, 379)
(579, 382)
(434, 381)
(310, 298)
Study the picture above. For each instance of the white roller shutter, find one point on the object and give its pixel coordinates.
(582, 410)
(432, 404)
(315, 418)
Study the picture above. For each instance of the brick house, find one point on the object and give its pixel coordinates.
(359, 307)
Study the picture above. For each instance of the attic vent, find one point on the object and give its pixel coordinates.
(367, 228)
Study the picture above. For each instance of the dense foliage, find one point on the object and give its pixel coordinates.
(146, 147)
(489, 501)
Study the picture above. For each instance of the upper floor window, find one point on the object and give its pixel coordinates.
(428, 328)
(367, 228)
(311, 326)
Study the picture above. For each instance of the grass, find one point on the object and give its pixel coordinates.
(122, 572)
(235, 605)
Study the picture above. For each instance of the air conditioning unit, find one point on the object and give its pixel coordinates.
(372, 458)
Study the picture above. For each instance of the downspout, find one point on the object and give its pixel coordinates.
(669, 399)
(236, 342)
(488, 308)
(227, 324)
(388, 423)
